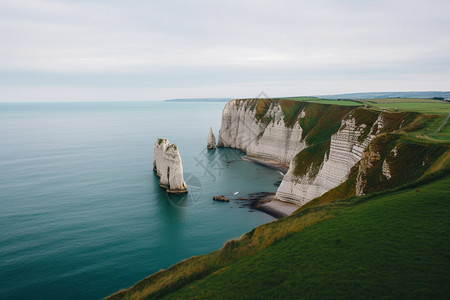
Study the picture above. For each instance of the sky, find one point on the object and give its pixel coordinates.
(108, 50)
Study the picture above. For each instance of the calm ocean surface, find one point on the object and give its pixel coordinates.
(81, 212)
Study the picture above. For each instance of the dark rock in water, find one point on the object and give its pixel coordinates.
(221, 198)
(241, 198)
(259, 196)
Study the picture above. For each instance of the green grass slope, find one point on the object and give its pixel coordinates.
(388, 245)
(396, 246)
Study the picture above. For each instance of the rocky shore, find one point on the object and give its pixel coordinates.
(266, 202)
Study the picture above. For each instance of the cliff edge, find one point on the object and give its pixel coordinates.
(325, 145)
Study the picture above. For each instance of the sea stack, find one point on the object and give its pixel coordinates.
(211, 139)
(168, 167)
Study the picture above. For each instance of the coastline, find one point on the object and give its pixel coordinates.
(266, 202)
(278, 209)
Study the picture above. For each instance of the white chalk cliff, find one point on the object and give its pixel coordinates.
(275, 140)
(346, 149)
(241, 130)
(168, 166)
(211, 142)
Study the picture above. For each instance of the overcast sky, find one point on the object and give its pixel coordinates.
(86, 50)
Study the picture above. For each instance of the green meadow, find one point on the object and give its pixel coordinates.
(325, 101)
(421, 105)
(410, 104)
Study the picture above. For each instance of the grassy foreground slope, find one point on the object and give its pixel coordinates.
(395, 245)
(392, 244)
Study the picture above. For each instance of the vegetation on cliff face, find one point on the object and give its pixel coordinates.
(309, 160)
(406, 159)
(172, 146)
(322, 121)
(394, 244)
(261, 106)
(291, 111)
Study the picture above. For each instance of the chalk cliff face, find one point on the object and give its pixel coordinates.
(211, 142)
(321, 143)
(168, 166)
(269, 138)
(346, 149)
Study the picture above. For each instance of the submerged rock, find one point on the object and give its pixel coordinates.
(221, 198)
(211, 143)
(168, 166)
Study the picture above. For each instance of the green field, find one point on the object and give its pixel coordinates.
(435, 108)
(403, 100)
(391, 245)
(422, 105)
(325, 101)
(410, 104)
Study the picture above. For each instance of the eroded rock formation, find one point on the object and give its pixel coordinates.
(168, 166)
(211, 143)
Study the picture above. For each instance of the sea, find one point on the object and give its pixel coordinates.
(81, 211)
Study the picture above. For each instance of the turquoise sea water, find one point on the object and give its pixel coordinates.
(81, 212)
